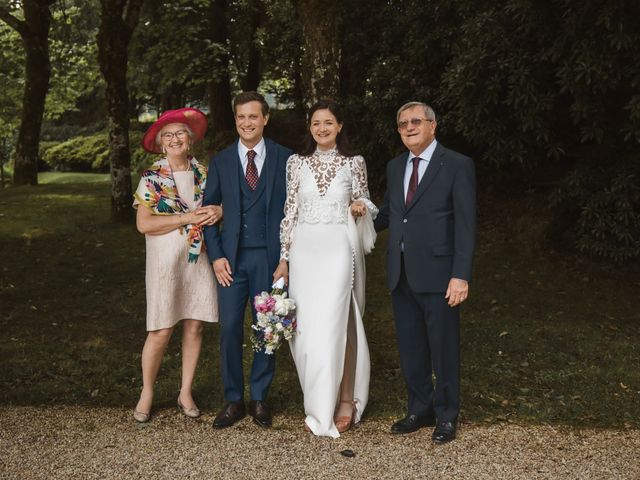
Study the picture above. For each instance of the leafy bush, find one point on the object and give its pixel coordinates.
(517, 85)
(80, 154)
(91, 153)
(600, 209)
(46, 145)
(60, 132)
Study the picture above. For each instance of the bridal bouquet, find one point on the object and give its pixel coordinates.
(276, 319)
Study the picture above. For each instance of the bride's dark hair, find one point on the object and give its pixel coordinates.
(342, 143)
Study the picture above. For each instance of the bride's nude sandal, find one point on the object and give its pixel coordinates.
(344, 423)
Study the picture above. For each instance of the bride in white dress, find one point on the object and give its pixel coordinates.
(326, 230)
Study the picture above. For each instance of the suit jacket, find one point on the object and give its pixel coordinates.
(436, 231)
(225, 172)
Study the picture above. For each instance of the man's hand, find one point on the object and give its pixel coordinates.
(211, 214)
(222, 269)
(282, 270)
(457, 291)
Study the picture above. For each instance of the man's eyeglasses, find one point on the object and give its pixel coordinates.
(168, 136)
(415, 122)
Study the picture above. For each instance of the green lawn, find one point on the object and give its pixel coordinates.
(547, 338)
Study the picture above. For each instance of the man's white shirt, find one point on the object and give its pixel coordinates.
(422, 166)
(260, 150)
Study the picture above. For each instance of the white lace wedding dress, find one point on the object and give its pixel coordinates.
(326, 279)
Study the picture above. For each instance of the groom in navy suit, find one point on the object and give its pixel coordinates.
(430, 210)
(249, 179)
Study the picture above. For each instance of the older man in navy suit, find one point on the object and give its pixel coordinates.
(249, 179)
(429, 208)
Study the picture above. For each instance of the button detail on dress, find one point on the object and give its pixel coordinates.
(404, 220)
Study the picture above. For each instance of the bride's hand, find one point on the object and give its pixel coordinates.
(358, 208)
(282, 271)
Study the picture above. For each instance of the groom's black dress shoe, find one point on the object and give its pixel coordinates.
(444, 432)
(260, 412)
(412, 423)
(230, 414)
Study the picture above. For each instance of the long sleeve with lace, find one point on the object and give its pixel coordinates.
(359, 185)
(290, 206)
(320, 189)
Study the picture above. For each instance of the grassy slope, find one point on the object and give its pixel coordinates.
(546, 338)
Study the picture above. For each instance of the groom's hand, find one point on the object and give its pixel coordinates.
(282, 271)
(457, 292)
(222, 269)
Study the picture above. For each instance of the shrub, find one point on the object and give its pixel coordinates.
(80, 154)
(600, 209)
(91, 153)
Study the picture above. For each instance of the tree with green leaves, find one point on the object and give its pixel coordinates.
(76, 81)
(11, 75)
(219, 82)
(281, 41)
(182, 58)
(556, 84)
(32, 21)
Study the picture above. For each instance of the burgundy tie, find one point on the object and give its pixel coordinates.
(252, 170)
(413, 181)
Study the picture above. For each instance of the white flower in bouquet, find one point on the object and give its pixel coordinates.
(263, 319)
(283, 305)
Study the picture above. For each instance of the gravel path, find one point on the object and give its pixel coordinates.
(105, 443)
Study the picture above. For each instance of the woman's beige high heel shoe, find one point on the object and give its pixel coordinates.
(344, 423)
(189, 412)
(141, 417)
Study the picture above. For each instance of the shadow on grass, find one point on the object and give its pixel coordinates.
(545, 338)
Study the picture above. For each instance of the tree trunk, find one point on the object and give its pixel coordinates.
(252, 79)
(117, 21)
(34, 30)
(219, 87)
(321, 55)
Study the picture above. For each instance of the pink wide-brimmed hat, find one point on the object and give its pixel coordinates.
(194, 118)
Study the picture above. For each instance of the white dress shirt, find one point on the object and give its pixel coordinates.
(422, 166)
(261, 153)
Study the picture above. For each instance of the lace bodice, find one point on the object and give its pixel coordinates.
(320, 189)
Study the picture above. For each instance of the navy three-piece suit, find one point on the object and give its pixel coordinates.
(249, 238)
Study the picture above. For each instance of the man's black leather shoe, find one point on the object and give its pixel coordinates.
(260, 412)
(230, 414)
(412, 423)
(444, 432)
